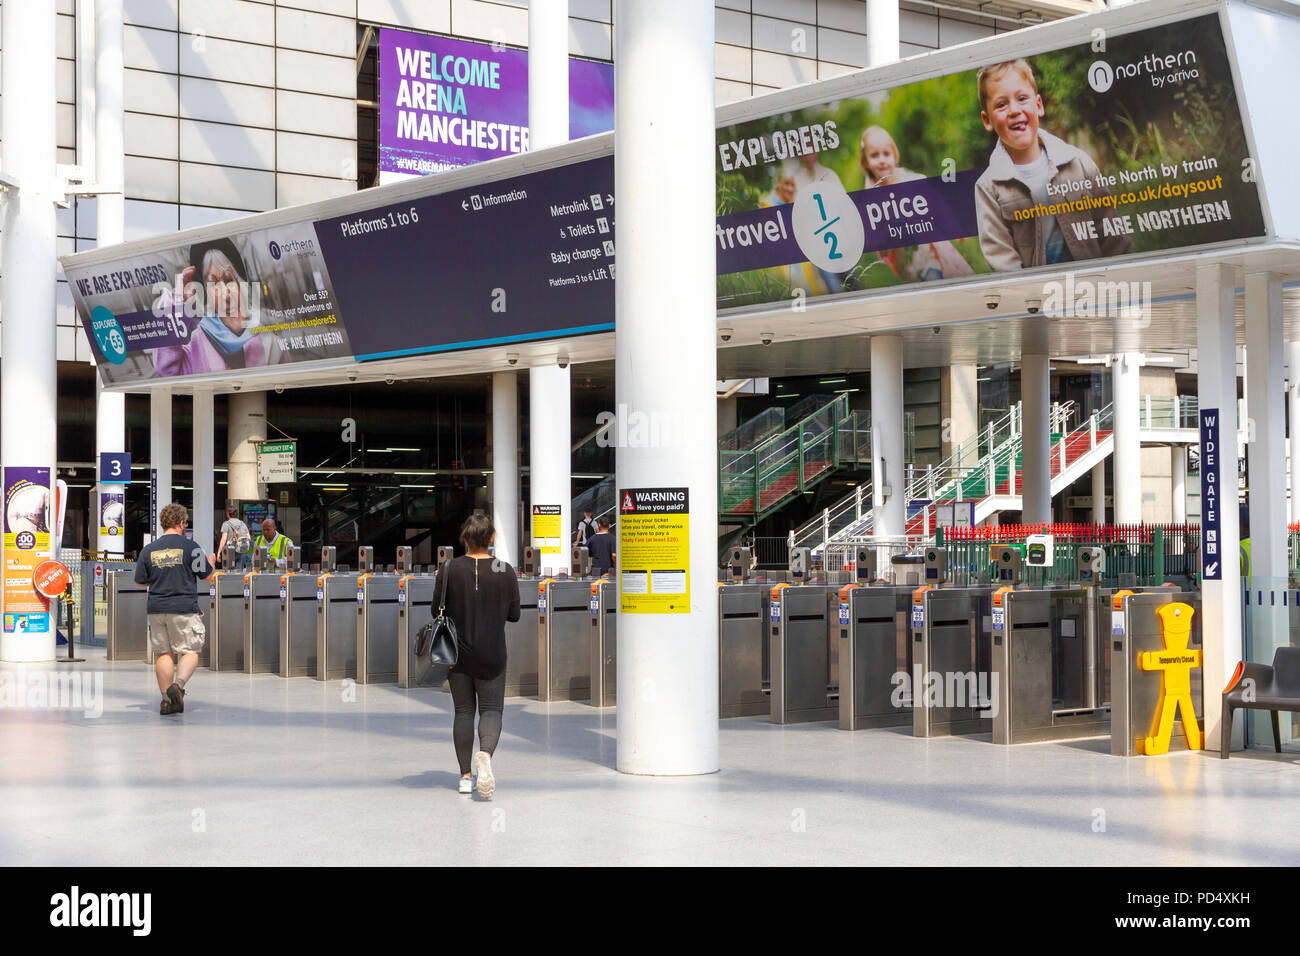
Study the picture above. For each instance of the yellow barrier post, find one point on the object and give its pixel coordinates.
(1175, 664)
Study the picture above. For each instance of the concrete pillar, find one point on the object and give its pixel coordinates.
(961, 409)
(1217, 390)
(1293, 411)
(1178, 483)
(1036, 444)
(666, 365)
(1126, 405)
(549, 425)
(1099, 493)
(728, 414)
(160, 454)
(887, 446)
(245, 426)
(882, 32)
(28, 369)
(505, 464)
(110, 407)
(204, 479)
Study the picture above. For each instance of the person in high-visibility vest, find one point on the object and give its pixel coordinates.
(274, 542)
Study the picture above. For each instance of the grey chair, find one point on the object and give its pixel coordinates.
(1275, 689)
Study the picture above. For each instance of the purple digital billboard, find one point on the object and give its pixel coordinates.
(447, 103)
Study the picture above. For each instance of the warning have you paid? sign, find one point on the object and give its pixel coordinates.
(654, 551)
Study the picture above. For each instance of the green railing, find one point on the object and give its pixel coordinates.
(754, 482)
(758, 429)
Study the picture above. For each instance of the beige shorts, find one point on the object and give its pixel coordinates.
(175, 634)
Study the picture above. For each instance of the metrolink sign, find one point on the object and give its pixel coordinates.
(1012, 165)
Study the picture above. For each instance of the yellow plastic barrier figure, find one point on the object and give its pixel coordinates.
(1175, 664)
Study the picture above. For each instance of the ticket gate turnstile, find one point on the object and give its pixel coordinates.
(563, 640)
(1134, 693)
(743, 650)
(414, 610)
(522, 643)
(128, 620)
(603, 668)
(875, 645)
(952, 656)
(261, 622)
(1042, 645)
(298, 624)
(226, 617)
(802, 657)
(336, 625)
(377, 644)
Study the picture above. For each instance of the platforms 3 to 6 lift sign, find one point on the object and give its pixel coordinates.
(654, 551)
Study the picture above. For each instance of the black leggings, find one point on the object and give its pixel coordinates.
(491, 696)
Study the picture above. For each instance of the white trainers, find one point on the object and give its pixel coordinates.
(483, 771)
(466, 785)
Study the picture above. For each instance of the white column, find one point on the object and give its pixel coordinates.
(550, 479)
(887, 466)
(1293, 399)
(505, 464)
(1126, 400)
(666, 364)
(160, 452)
(1099, 493)
(1217, 389)
(882, 32)
(110, 407)
(28, 370)
(204, 480)
(245, 426)
(1035, 448)
(1178, 484)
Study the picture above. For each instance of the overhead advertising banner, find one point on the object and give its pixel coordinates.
(654, 551)
(525, 258)
(254, 299)
(447, 103)
(26, 545)
(1134, 144)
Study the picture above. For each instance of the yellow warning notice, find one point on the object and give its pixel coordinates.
(548, 536)
(654, 551)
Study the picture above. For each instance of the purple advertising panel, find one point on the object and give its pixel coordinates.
(26, 544)
(524, 258)
(447, 103)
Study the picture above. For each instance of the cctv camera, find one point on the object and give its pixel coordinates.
(1033, 305)
(279, 389)
(993, 300)
(562, 360)
(936, 330)
(237, 386)
(512, 358)
(389, 380)
(352, 376)
(725, 334)
(766, 337)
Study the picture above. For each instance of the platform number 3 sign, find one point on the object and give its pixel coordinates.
(827, 226)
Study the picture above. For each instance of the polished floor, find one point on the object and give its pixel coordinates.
(264, 770)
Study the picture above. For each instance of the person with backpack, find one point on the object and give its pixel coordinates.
(479, 593)
(235, 532)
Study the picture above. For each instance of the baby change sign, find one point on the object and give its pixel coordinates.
(654, 551)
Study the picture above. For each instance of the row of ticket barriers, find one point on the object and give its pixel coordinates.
(1024, 664)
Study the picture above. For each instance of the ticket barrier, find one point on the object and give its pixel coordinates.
(1134, 630)
(604, 630)
(874, 646)
(951, 660)
(743, 667)
(522, 639)
(378, 646)
(1045, 661)
(226, 604)
(261, 619)
(298, 618)
(336, 619)
(563, 639)
(414, 610)
(803, 657)
(128, 620)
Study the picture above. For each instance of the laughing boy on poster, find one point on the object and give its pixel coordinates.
(1025, 162)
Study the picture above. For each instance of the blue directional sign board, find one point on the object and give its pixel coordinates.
(1211, 495)
(114, 467)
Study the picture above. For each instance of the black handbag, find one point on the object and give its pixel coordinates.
(438, 640)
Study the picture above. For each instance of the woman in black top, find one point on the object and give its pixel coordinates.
(480, 594)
